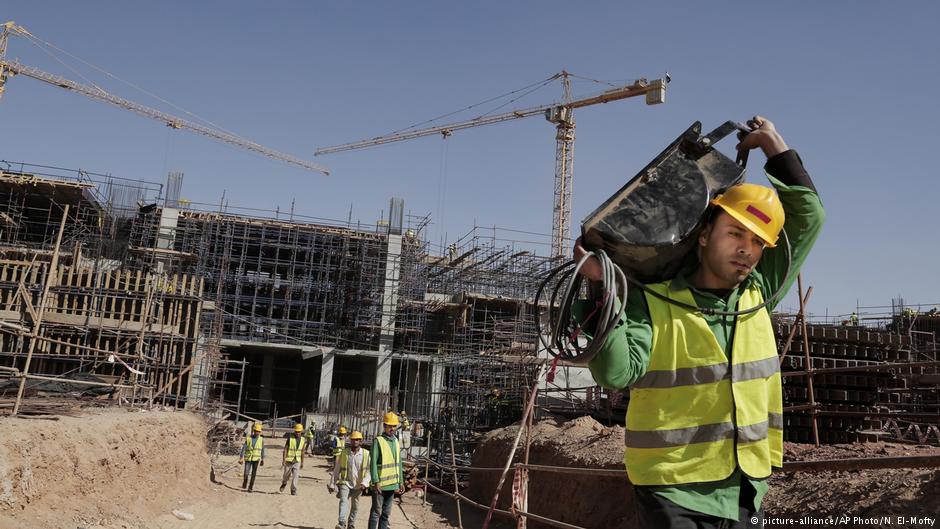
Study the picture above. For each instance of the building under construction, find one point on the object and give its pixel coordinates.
(117, 287)
(260, 316)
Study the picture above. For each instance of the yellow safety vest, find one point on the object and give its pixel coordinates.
(344, 468)
(295, 447)
(391, 462)
(253, 450)
(693, 417)
(340, 444)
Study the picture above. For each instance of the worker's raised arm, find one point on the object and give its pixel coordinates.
(804, 215)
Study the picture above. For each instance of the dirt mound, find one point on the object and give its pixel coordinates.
(869, 495)
(112, 468)
(609, 502)
(588, 501)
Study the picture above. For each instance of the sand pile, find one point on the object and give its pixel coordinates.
(109, 468)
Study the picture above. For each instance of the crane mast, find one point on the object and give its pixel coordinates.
(564, 169)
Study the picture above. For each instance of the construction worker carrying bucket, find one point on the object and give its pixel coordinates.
(387, 473)
(293, 459)
(704, 424)
(252, 454)
(349, 479)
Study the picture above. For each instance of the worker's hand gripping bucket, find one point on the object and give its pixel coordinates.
(651, 223)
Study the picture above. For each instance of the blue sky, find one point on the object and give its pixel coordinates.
(850, 85)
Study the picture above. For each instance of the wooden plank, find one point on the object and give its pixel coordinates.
(27, 303)
(47, 285)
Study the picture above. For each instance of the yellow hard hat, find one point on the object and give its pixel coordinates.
(342, 429)
(298, 427)
(355, 435)
(756, 207)
(390, 419)
(257, 427)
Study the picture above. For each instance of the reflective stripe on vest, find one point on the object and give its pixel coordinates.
(344, 467)
(295, 447)
(340, 444)
(391, 462)
(693, 417)
(253, 450)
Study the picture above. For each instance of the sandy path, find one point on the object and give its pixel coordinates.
(226, 506)
(121, 469)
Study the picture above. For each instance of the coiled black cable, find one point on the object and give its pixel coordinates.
(563, 341)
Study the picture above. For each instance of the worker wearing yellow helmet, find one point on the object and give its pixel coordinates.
(293, 459)
(252, 455)
(387, 473)
(350, 477)
(339, 441)
(704, 422)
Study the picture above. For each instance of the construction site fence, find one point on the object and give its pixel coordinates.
(854, 464)
(821, 465)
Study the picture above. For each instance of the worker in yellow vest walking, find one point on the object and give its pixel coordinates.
(351, 477)
(339, 441)
(293, 459)
(704, 424)
(387, 475)
(252, 455)
(310, 436)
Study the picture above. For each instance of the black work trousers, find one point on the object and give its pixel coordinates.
(251, 467)
(656, 512)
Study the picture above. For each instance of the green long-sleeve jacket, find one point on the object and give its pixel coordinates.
(625, 356)
(377, 462)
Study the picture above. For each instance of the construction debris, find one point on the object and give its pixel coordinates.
(226, 438)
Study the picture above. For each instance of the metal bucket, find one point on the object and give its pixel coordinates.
(652, 222)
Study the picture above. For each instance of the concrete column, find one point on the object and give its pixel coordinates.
(166, 235)
(199, 377)
(326, 380)
(383, 368)
(436, 386)
(267, 378)
(383, 373)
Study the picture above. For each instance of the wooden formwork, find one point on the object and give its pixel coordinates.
(140, 328)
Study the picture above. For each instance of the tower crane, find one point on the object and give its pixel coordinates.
(11, 68)
(560, 114)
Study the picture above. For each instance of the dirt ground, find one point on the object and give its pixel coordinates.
(119, 469)
(130, 469)
(865, 497)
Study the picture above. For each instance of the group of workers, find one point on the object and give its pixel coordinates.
(355, 469)
(292, 458)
